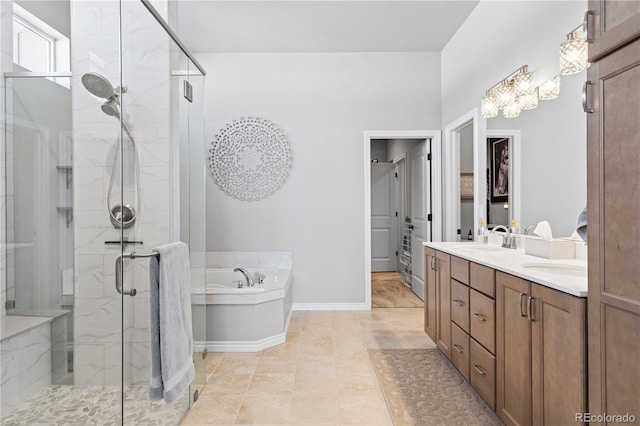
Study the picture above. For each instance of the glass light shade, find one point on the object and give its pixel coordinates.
(550, 89)
(573, 56)
(511, 110)
(489, 106)
(529, 101)
(505, 94)
(523, 84)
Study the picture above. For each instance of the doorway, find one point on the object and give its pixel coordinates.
(398, 208)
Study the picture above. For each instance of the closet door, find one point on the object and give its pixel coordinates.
(613, 156)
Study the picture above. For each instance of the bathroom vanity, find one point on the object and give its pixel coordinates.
(514, 325)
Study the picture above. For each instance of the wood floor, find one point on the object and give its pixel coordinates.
(387, 291)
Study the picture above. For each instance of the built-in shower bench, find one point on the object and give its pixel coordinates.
(33, 351)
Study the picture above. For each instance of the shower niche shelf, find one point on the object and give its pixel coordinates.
(68, 171)
(68, 211)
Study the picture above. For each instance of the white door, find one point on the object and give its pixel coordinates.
(384, 225)
(420, 209)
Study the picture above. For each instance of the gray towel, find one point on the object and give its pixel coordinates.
(581, 227)
(172, 368)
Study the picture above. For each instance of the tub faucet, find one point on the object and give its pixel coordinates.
(507, 241)
(247, 276)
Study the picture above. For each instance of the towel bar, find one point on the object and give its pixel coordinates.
(131, 255)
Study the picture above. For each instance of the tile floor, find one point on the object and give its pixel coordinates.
(321, 375)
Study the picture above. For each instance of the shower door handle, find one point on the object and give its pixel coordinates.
(131, 292)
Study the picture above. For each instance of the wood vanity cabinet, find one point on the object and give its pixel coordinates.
(430, 314)
(611, 24)
(613, 197)
(540, 353)
(443, 301)
(437, 306)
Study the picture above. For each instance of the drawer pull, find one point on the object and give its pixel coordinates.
(585, 97)
(479, 370)
(530, 309)
(458, 348)
(458, 302)
(480, 317)
(523, 313)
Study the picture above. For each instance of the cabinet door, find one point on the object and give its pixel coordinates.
(558, 349)
(513, 350)
(613, 198)
(430, 316)
(444, 303)
(613, 24)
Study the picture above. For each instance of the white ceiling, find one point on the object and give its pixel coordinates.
(320, 26)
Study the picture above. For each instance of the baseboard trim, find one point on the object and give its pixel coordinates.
(330, 307)
(244, 345)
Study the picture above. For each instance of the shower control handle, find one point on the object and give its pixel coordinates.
(131, 292)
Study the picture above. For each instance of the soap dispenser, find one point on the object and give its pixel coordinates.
(470, 236)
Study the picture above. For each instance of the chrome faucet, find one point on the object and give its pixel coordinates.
(529, 228)
(507, 241)
(247, 276)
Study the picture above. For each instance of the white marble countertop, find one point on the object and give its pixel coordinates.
(511, 261)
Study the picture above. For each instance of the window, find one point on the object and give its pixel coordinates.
(32, 49)
(36, 45)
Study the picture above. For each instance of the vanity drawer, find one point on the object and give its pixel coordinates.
(460, 269)
(482, 319)
(460, 304)
(483, 279)
(460, 350)
(482, 372)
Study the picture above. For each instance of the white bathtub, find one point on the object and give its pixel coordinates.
(247, 319)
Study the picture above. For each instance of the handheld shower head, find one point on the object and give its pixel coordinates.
(98, 85)
(111, 107)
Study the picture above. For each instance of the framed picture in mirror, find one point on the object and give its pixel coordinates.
(499, 170)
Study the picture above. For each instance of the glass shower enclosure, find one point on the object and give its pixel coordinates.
(100, 166)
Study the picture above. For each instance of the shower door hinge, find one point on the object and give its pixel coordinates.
(10, 304)
(188, 91)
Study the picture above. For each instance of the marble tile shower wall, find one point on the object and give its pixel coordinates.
(146, 107)
(6, 190)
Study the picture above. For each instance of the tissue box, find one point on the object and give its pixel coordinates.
(556, 248)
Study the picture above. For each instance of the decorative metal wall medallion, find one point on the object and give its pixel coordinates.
(250, 158)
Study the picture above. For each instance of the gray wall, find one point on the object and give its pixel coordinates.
(324, 103)
(379, 150)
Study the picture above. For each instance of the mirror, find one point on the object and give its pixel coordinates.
(547, 177)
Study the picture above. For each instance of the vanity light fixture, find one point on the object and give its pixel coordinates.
(489, 106)
(523, 82)
(550, 89)
(530, 100)
(512, 110)
(510, 95)
(573, 52)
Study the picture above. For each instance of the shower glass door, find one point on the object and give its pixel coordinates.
(163, 110)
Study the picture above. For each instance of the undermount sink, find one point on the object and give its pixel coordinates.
(557, 268)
